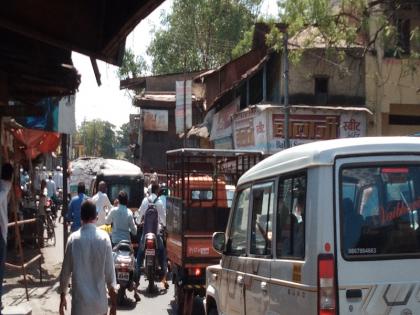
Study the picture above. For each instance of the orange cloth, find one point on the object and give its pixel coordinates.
(37, 141)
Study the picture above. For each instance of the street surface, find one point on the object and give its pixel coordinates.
(159, 303)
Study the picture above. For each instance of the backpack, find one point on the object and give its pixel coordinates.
(151, 219)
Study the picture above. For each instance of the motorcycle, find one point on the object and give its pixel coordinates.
(124, 262)
(152, 267)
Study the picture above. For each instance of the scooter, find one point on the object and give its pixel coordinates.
(124, 262)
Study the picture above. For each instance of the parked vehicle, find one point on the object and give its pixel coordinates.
(323, 228)
(198, 181)
(124, 262)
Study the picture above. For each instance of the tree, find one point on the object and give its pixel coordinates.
(200, 34)
(123, 135)
(123, 140)
(345, 23)
(98, 137)
(132, 66)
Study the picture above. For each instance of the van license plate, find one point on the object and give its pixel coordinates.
(150, 252)
(125, 276)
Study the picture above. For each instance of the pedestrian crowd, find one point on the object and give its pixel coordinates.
(89, 244)
(88, 261)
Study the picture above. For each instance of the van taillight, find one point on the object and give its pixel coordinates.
(326, 285)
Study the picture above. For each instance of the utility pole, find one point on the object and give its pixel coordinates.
(286, 89)
(185, 101)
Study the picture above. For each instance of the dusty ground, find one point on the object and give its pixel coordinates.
(43, 296)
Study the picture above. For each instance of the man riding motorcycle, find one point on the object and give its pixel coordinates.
(123, 224)
(154, 200)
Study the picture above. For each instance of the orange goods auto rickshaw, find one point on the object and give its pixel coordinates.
(200, 183)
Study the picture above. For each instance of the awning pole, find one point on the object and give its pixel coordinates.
(64, 150)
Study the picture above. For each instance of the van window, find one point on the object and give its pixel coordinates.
(236, 245)
(291, 217)
(381, 219)
(261, 224)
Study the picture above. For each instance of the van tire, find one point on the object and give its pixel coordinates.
(179, 299)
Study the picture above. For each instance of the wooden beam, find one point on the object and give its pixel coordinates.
(96, 71)
(21, 111)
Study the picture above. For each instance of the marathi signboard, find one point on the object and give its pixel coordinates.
(180, 103)
(251, 130)
(263, 128)
(222, 121)
(155, 120)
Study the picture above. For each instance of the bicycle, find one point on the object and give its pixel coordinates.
(48, 229)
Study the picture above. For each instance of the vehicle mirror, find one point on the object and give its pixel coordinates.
(219, 242)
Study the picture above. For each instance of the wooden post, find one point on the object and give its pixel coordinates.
(64, 152)
(13, 203)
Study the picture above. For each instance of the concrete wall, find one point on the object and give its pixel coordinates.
(346, 82)
(392, 85)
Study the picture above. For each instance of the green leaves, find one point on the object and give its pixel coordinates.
(201, 34)
(132, 66)
(98, 137)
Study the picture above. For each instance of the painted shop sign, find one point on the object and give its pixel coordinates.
(263, 129)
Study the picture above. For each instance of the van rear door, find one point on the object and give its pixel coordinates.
(377, 202)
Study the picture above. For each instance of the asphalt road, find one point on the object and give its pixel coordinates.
(161, 302)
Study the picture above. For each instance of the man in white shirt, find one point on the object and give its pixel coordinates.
(37, 180)
(58, 177)
(157, 202)
(102, 203)
(88, 260)
(43, 174)
(51, 187)
(5, 185)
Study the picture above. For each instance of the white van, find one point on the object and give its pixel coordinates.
(330, 227)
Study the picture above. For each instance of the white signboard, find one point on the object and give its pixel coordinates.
(155, 120)
(179, 110)
(222, 121)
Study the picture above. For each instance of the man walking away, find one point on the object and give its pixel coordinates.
(5, 185)
(58, 177)
(88, 260)
(102, 203)
(51, 186)
(75, 204)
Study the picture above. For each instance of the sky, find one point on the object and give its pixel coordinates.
(108, 102)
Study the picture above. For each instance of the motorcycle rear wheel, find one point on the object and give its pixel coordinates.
(151, 279)
(120, 296)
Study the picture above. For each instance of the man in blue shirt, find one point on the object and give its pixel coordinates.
(75, 205)
(122, 220)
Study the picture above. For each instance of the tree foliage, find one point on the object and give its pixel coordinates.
(347, 23)
(132, 66)
(98, 137)
(200, 34)
(123, 135)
